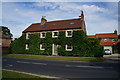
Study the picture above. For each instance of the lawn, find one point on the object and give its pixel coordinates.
(55, 57)
(7, 74)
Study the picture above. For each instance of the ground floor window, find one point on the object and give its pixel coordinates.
(69, 47)
(42, 46)
(26, 46)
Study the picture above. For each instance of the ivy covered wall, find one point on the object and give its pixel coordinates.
(82, 46)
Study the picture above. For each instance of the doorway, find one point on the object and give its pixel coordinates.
(54, 49)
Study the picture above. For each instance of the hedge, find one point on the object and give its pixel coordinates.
(82, 46)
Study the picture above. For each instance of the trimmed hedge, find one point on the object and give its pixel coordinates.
(82, 46)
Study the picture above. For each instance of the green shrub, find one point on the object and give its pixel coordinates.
(82, 46)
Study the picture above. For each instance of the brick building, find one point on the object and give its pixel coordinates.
(5, 40)
(107, 39)
(69, 26)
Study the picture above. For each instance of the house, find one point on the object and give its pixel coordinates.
(107, 39)
(69, 26)
(5, 39)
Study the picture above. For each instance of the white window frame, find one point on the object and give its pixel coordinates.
(53, 34)
(27, 35)
(27, 46)
(105, 40)
(67, 48)
(41, 34)
(67, 33)
(113, 40)
(41, 47)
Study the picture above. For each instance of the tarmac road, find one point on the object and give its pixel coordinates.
(62, 69)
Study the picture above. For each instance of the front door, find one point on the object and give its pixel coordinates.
(54, 49)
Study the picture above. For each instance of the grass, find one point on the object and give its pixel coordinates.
(55, 57)
(6, 74)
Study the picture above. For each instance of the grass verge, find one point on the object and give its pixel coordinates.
(7, 74)
(55, 57)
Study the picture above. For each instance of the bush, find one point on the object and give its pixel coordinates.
(82, 46)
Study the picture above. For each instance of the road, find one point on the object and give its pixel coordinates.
(63, 69)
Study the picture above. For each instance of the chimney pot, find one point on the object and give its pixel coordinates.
(43, 20)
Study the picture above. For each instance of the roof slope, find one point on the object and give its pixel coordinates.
(108, 43)
(55, 25)
(103, 35)
(106, 35)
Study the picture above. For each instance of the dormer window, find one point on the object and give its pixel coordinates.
(45, 25)
(53, 24)
(105, 40)
(55, 34)
(42, 34)
(69, 33)
(71, 23)
(27, 35)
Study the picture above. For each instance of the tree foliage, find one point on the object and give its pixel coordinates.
(6, 32)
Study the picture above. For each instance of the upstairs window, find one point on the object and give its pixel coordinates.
(42, 34)
(42, 46)
(69, 47)
(55, 34)
(27, 35)
(69, 33)
(26, 46)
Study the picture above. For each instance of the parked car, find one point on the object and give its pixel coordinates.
(107, 51)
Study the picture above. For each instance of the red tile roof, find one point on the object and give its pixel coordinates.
(104, 35)
(55, 25)
(109, 43)
(91, 36)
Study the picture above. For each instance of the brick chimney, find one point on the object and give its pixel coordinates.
(82, 15)
(115, 32)
(43, 20)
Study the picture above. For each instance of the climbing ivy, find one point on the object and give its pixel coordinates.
(82, 46)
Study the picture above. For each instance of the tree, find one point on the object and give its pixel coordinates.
(6, 32)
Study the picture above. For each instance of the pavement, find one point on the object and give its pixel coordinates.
(63, 69)
(112, 56)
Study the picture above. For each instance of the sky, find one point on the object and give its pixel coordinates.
(100, 17)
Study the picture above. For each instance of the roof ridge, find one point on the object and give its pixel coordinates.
(58, 20)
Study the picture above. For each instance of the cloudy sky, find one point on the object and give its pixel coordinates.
(100, 17)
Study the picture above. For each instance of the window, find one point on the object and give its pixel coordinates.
(42, 47)
(105, 40)
(69, 33)
(55, 34)
(42, 34)
(69, 47)
(53, 24)
(113, 40)
(45, 25)
(27, 35)
(71, 23)
(26, 46)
